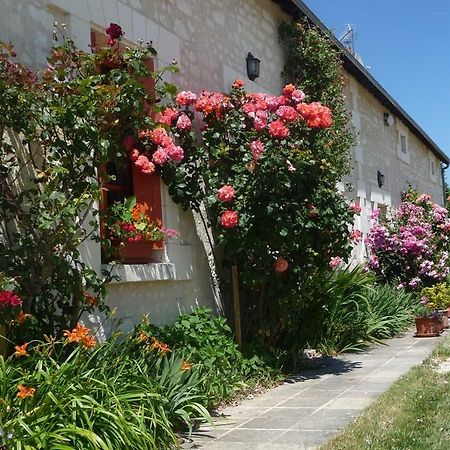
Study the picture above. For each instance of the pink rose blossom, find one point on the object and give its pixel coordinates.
(175, 153)
(226, 193)
(355, 207)
(160, 156)
(335, 262)
(298, 96)
(168, 116)
(287, 113)
(229, 219)
(260, 121)
(186, 98)
(280, 265)
(356, 236)
(184, 123)
(144, 165)
(277, 129)
(257, 148)
(134, 154)
(158, 135)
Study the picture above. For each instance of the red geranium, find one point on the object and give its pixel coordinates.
(226, 193)
(8, 298)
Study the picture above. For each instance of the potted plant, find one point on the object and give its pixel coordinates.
(132, 232)
(437, 298)
(429, 322)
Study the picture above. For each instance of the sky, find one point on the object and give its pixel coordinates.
(406, 44)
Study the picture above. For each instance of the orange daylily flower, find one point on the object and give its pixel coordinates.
(81, 335)
(160, 346)
(186, 365)
(22, 317)
(21, 350)
(25, 391)
(142, 337)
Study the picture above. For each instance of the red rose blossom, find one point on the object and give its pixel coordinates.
(8, 298)
(226, 193)
(229, 219)
(114, 31)
(280, 265)
(277, 129)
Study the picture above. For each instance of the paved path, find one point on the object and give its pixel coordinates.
(308, 409)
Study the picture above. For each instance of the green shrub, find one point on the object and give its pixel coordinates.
(122, 395)
(207, 342)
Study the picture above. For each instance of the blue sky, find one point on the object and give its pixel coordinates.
(406, 43)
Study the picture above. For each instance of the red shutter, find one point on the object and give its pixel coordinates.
(147, 188)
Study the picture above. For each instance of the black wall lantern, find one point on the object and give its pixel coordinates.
(252, 67)
(380, 178)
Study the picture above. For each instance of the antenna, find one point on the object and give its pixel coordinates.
(348, 39)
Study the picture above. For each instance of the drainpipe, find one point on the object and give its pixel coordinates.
(443, 169)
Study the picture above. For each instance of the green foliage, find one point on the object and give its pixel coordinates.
(123, 395)
(437, 296)
(343, 311)
(57, 131)
(206, 341)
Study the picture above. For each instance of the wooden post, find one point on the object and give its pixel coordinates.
(236, 302)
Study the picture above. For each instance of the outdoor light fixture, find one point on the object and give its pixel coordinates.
(388, 119)
(252, 66)
(380, 178)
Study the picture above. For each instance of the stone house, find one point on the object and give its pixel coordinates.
(210, 40)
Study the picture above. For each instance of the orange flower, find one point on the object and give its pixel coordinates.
(238, 84)
(21, 350)
(138, 210)
(81, 335)
(142, 337)
(25, 391)
(90, 299)
(186, 365)
(22, 317)
(160, 346)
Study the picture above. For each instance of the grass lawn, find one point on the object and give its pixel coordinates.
(414, 414)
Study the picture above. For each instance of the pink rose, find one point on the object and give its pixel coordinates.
(356, 236)
(168, 116)
(260, 120)
(160, 156)
(287, 113)
(335, 262)
(298, 96)
(134, 154)
(175, 153)
(355, 208)
(226, 193)
(229, 219)
(185, 98)
(144, 165)
(257, 148)
(280, 265)
(277, 129)
(158, 135)
(8, 298)
(184, 123)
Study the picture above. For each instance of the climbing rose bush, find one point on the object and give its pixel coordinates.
(411, 248)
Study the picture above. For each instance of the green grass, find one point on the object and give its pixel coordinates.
(414, 414)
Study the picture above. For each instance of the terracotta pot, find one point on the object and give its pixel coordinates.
(444, 313)
(428, 326)
(136, 252)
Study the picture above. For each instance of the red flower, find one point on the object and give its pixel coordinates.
(226, 193)
(168, 116)
(144, 165)
(112, 42)
(8, 298)
(315, 114)
(287, 113)
(114, 31)
(280, 265)
(185, 98)
(157, 135)
(288, 90)
(229, 219)
(356, 236)
(277, 129)
(238, 84)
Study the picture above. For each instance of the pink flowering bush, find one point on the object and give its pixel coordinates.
(412, 247)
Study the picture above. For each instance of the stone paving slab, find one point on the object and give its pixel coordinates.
(312, 406)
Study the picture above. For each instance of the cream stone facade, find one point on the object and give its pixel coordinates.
(210, 40)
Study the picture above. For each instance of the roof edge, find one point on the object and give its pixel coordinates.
(360, 72)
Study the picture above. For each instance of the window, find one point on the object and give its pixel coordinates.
(403, 145)
(128, 180)
(433, 168)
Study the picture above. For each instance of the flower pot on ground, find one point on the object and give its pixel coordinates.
(428, 326)
(444, 314)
